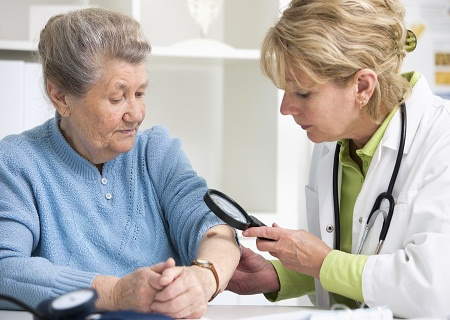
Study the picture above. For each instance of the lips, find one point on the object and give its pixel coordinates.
(303, 126)
(127, 130)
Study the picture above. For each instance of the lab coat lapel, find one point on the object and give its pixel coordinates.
(325, 193)
(326, 213)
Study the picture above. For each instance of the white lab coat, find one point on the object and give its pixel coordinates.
(411, 273)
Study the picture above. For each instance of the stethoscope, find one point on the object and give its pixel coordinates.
(387, 217)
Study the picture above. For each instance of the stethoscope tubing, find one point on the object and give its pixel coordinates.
(383, 196)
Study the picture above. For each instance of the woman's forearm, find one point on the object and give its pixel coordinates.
(219, 246)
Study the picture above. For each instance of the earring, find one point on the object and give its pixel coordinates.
(362, 103)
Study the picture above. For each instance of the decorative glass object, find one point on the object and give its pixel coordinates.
(204, 12)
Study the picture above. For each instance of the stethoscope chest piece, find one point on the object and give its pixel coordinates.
(370, 223)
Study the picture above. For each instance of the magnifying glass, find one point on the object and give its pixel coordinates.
(230, 211)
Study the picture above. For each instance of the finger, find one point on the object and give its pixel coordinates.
(173, 290)
(275, 225)
(266, 245)
(169, 275)
(160, 267)
(274, 254)
(177, 308)
(153, 279)
(246, 252)
(263, 232)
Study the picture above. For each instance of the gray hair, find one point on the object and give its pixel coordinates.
(73, 47)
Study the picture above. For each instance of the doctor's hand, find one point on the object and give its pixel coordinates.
(254, 274)
(297, 250)
(186, 292)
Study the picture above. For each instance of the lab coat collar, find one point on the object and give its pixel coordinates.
(416, 103)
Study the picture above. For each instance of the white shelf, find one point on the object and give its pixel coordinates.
(235, 54)
(200, 52)
(18, 45)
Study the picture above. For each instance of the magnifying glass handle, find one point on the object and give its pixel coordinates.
(254, 222)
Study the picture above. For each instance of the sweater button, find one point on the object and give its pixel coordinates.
(108, 196)
(104, 181)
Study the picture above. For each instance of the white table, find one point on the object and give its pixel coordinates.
(215, 312)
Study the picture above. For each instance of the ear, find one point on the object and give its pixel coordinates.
(58, 98)
(366, 80)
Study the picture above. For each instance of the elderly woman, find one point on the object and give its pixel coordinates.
(87, 200)
(378, 201)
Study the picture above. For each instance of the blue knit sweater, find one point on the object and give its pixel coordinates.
(62, 222)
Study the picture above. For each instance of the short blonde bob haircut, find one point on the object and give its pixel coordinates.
(331, 40)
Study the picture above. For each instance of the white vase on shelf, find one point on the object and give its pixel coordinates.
(204, 12)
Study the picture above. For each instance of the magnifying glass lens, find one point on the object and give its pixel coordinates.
(230, 211)
(228, 208)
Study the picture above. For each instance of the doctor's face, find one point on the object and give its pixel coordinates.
(327, 112)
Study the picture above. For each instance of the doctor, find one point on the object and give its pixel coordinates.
(376, 132)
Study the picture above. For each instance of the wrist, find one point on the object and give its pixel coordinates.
(274, 285)
(105, 287)
(208, 268)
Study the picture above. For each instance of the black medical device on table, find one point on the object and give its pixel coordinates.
(387, 217)
(79, 305)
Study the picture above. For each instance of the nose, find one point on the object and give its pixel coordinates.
(135, 110)
(287, 106)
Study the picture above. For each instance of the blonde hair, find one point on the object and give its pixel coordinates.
(331, 40)
(74, 47)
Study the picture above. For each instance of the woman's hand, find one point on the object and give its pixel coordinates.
(297, 250)
(186, 292)
(137, 290)
(254, 274)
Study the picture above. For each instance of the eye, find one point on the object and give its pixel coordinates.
(302, 95)
(139, 94)
(116, 101)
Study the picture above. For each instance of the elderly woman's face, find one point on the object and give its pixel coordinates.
(104, 123)
(327, 112)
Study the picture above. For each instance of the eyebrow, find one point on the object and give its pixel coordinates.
(123, 85)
